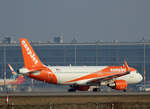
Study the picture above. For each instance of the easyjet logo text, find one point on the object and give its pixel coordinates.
(118, 70)
(29, 52)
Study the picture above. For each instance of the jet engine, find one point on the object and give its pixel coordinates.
(118, 85)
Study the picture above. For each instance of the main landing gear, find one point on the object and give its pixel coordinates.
(72, 89)
(125, 90)
(96, 89)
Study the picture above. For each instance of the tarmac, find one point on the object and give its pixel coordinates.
(75, 94)
(43, 98)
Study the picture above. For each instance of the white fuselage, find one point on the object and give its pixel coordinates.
(69, 73)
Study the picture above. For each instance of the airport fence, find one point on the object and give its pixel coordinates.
(81, 106)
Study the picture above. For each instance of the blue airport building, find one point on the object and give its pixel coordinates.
(137, 55)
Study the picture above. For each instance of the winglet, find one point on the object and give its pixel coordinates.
(126, 65)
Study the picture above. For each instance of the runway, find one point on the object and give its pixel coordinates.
(77, 100)
(75, 94)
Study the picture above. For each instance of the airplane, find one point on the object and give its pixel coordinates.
(79, 78)
(14, 80)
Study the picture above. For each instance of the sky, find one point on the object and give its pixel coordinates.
(86, 20)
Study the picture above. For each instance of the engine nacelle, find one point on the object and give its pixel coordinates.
(118, 85)
(83, 88)
(23, 71)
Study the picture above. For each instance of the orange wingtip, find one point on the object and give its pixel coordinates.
(126, 65)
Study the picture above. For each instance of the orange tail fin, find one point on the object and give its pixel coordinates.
(12, 70)
(31, 60)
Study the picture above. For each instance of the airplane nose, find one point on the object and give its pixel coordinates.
(140, 78)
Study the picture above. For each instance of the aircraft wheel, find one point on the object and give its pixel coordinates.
(125, 90)
(71, 90)
(96, 90)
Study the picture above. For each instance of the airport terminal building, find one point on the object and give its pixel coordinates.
(137, 55)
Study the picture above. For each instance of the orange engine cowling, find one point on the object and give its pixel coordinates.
(83, 88)
(119, 85)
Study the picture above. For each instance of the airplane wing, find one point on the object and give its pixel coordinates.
(111, 76)
(115, 76)
(100, 76)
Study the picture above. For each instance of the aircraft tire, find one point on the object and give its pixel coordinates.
(71, 90)
(96, 89)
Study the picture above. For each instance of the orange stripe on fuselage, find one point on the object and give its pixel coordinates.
(109, 71)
